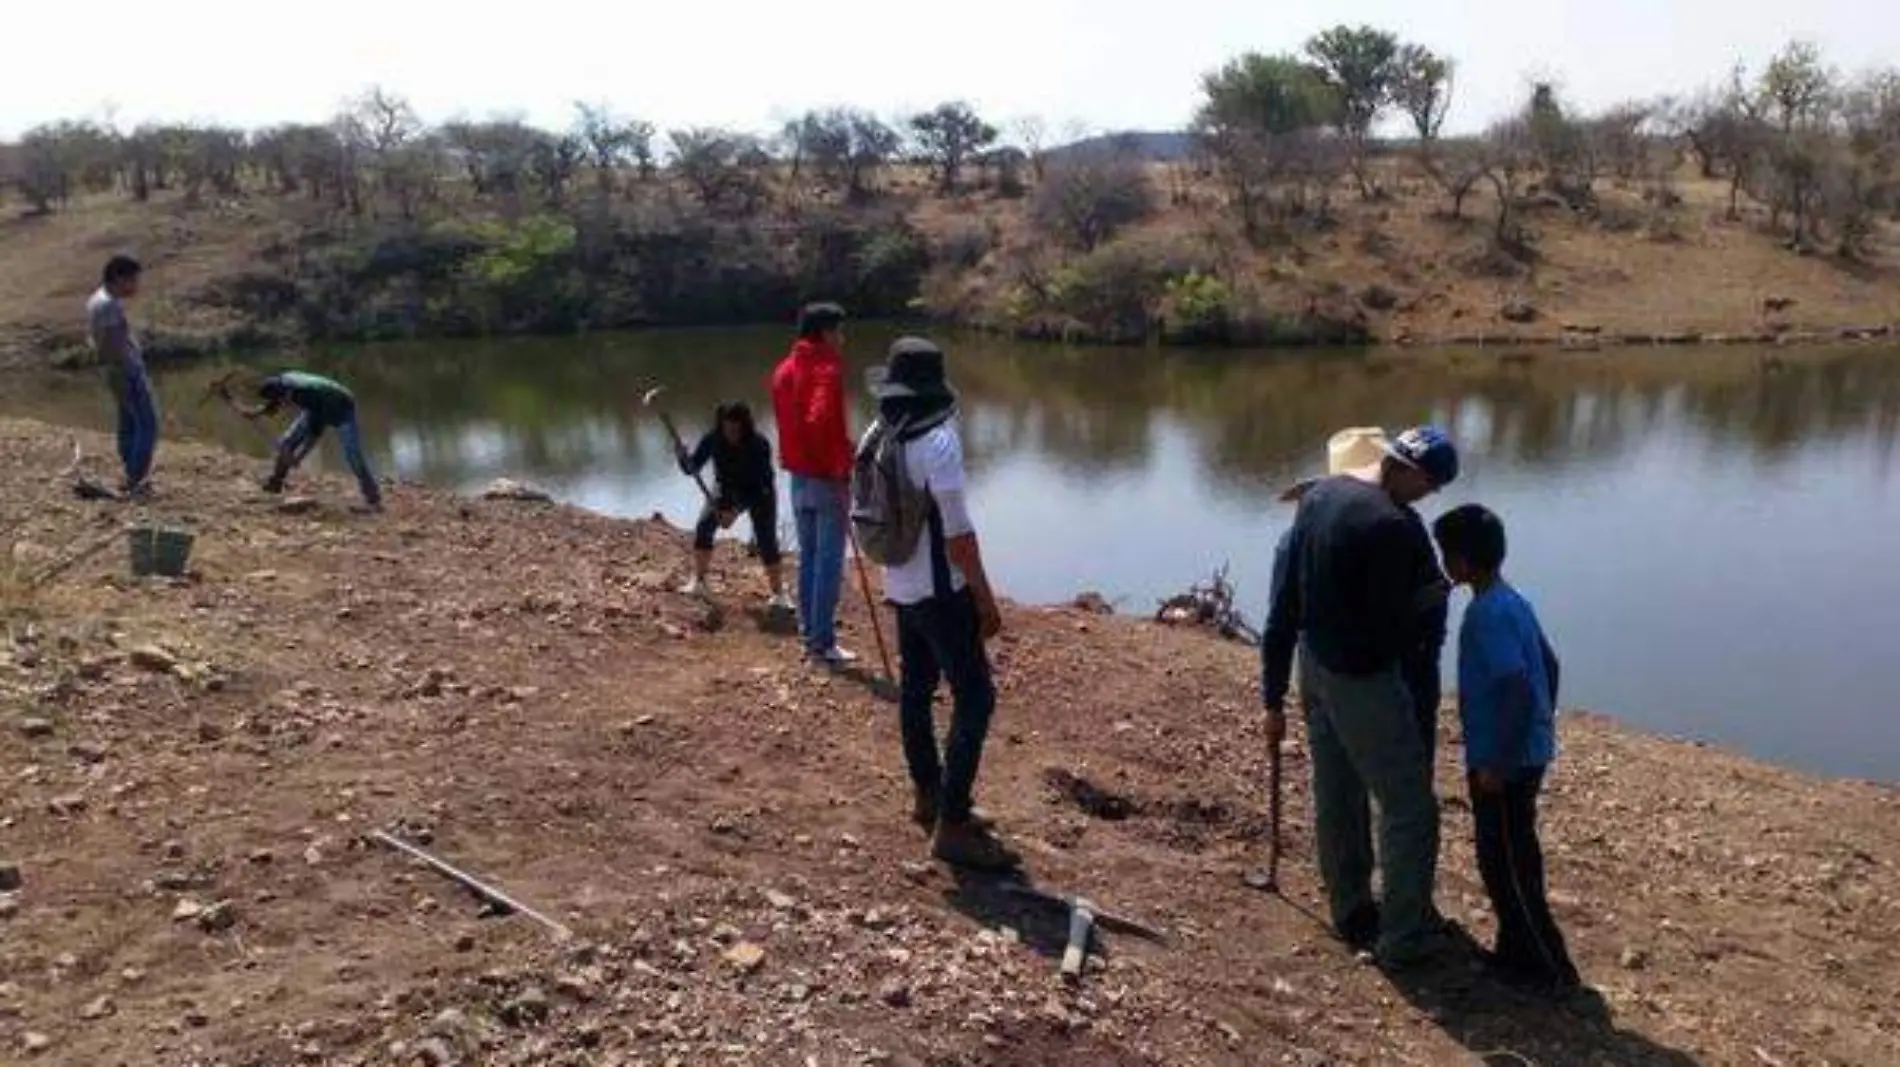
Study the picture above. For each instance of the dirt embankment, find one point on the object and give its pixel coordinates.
(191, 766)
(265, 270)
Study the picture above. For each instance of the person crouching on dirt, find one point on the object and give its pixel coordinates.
(742, 481)
(321, 404)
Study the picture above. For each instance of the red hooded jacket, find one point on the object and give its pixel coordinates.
(808, 398)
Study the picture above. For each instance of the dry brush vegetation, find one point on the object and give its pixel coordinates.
(1281, 216)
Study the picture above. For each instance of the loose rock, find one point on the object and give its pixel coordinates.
(895, 993)
(10, 878)
(98, 1008)
(36, 727)
(530, 1007)
(218, 917)
(153, 658)
(745, 957)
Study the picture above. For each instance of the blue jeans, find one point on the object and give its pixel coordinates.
(303, 436)
(820, 510)
(138, 427)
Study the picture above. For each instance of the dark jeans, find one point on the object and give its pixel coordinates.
(303, 436)
(938, 639)
(1512, 863)
(764, 516)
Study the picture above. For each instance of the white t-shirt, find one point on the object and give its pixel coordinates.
(110, 334)
(936, 463)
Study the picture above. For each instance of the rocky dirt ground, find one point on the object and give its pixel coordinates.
(190, 767)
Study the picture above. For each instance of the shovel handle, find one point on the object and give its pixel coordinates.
(679, 444)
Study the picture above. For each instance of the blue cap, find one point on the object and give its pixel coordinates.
(1429, 449)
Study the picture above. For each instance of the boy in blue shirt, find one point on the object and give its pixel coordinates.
(1507, 697)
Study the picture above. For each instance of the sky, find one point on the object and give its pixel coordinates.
(1096, 66)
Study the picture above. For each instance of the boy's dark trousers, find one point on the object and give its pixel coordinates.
(938, 640)
(1512, 862)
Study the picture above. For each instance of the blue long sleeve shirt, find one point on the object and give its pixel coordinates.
(1507, 684)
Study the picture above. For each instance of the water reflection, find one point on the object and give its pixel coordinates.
(1705, 530)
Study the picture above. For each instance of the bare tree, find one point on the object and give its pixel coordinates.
(949, 137)
(555, 160)
(1262, 126)
(1620, 138)
(845, 148)
(725, 170)
(1032, 133)
(1083, 201)
(1421, 87)
(613, 144)
(1796, 94)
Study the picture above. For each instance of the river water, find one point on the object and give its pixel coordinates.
(1709, 535)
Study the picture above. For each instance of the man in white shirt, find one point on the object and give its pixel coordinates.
(945, 610)
(111, 336)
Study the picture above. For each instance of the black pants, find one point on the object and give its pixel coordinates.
(1512, 863)
(764, 515)
(938, 640)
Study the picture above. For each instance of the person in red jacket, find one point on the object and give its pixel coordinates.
(814, 447)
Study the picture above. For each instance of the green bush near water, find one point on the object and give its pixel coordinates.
(561, 273)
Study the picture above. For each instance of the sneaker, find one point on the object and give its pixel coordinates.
(694, 587)
(969, 845)
(835, 657)
(780, 603)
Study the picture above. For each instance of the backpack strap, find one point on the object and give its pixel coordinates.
(939, 550)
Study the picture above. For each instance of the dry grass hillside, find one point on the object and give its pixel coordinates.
(261, 270)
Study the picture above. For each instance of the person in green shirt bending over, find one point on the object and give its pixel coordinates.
(321, 404)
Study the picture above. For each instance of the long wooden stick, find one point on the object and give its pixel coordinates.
(864, 584)
(1273, 817)
(471, 883)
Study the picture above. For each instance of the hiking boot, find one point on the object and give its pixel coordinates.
(694, 587)
(1418, 953)
(271, 485)
(1360, 931)
(781, 604)
(925, 808)
(967, 844)
(366, 509)
(1531, 977)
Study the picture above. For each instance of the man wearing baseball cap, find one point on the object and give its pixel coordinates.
(1345, 594)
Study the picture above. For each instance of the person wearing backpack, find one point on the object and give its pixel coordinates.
(910, 516)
